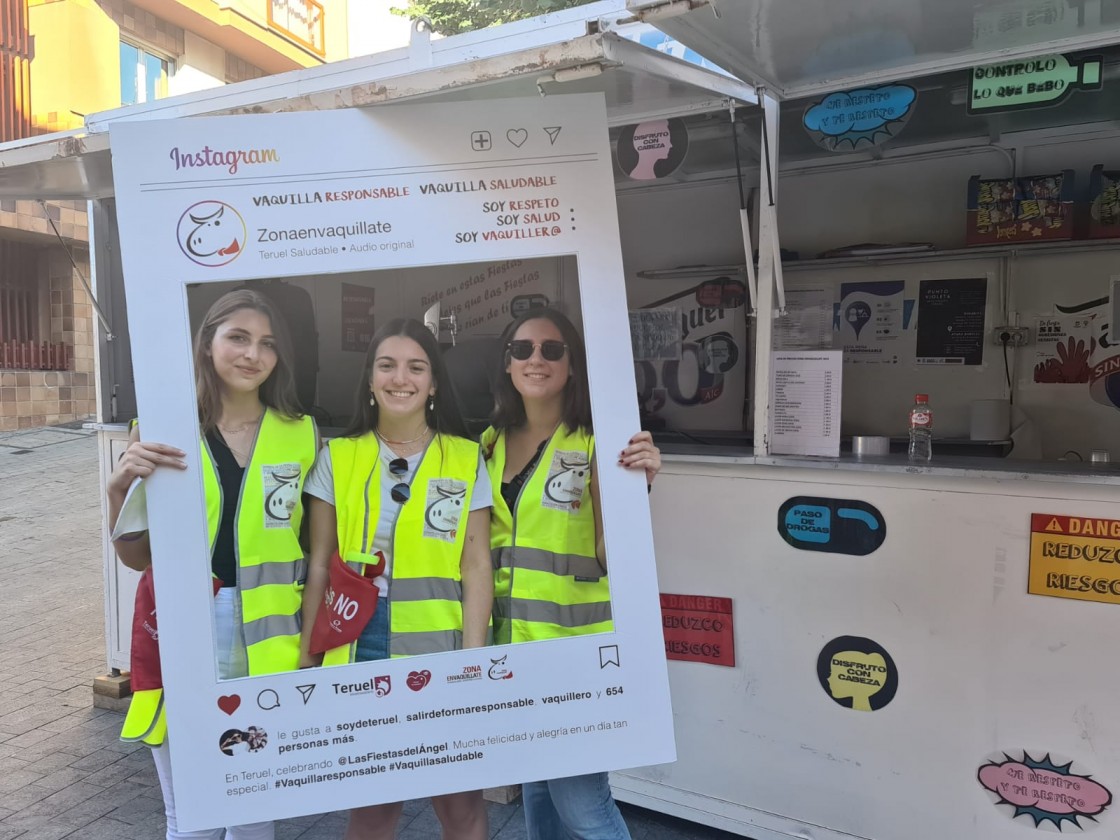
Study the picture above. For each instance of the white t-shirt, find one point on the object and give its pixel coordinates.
(320, 484)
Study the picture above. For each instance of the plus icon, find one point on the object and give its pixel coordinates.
(480, 141)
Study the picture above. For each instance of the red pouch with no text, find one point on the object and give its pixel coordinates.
(349, 602)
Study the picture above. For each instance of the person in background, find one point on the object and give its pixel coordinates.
(550, 566)
(256, 450)
(402, 498)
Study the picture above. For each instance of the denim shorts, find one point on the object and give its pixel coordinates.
(373, 644)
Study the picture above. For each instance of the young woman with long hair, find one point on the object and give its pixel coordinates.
(256, 451)
(402, 498)
(550, 565)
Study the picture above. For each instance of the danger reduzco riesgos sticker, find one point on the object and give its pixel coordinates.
(1045, 790)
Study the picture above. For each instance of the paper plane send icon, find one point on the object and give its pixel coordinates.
(553, 132)
(306, 691)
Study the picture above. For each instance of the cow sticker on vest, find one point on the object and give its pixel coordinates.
(444, 508)
(567, 478)
(281, 493)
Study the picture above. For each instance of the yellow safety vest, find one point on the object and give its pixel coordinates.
(425, 600)
(271, 567)
(547, 580)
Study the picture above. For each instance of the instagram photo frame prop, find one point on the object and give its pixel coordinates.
(398, 187)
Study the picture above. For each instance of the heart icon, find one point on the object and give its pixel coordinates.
(229, 703)
(517, 136)
(418, 679)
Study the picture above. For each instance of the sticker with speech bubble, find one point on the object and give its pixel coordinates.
(847, 120)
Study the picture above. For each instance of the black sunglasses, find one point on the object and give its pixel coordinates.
(401, 492)
(551, 350)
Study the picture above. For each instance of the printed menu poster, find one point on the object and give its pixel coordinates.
(1061, 349)
(951, 321)
(871, 321)
(807, 323)
(655, 334)
(805, 403)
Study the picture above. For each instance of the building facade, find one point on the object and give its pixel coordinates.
(61, 60)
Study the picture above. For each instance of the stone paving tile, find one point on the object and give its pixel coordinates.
(64, 774)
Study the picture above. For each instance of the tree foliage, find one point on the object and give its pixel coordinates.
(453, 17)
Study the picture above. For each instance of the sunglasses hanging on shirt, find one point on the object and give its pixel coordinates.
(400, 492)
(551, 350)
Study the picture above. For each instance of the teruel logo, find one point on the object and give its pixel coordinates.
(382, 685)
(418, 679)
(498, 669)
(211, 233)
(231, 159)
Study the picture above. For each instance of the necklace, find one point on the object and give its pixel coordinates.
(386, 440)
(236, 430)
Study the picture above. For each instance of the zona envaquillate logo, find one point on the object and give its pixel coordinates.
(211, 233)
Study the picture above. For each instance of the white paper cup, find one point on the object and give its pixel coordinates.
(989, 420)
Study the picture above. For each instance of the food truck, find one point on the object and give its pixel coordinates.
(824, 211)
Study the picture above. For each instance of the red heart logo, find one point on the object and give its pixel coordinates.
(229, 703)
(418, 679)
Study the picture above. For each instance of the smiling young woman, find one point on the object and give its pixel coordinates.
(402, 498)
(550, 578)
(256, 451)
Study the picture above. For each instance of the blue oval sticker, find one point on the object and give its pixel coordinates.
(839, 526)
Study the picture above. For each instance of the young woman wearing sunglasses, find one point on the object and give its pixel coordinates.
(403, 498)
(547, 533)
(256, 450)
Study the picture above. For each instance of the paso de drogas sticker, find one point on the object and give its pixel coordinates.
(839, 526)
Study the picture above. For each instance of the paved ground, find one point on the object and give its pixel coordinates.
(63, 772)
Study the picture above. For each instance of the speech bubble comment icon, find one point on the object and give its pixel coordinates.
(268, 699)
(857, 314)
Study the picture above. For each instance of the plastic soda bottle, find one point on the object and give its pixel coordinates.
(921, 429)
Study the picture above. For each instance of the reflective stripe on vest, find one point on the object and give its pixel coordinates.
(425, 589)
(271, 567)
(270, 574)
(547, 580)
(147, 719)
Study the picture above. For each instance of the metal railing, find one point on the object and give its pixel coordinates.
(34, 355)
(302, 21)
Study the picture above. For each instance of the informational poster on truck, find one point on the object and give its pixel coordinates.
(481, 208)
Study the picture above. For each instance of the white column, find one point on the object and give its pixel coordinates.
(769, 271)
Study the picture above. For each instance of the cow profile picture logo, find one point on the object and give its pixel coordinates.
(499, 670)
(211, 233)
(281, 492)
(444, 508)
(567, 478)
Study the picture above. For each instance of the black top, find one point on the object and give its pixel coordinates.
(511, 488)
(223, 562)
